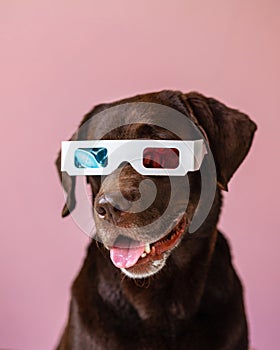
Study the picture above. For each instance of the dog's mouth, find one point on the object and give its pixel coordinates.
(127, 252)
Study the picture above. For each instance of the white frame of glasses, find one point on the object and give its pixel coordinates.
(191, 154)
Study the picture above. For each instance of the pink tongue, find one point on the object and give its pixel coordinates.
(126, 257)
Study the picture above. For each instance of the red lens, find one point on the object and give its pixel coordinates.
(165, 158)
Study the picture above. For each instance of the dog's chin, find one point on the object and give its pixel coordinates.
(151, 263)
(147, 269)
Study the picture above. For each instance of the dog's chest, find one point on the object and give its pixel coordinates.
(112, 295)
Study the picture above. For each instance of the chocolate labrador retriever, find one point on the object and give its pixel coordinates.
(180, 291)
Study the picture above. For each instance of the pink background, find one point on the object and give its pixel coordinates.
(58, 59)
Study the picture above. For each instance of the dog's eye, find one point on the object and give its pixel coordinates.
(166, 158)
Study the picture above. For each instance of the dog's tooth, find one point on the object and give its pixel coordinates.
(143, 255)
(147, 248)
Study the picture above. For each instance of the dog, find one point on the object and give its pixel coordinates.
(185, 295)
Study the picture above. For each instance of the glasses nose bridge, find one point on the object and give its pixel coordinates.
(129, 153)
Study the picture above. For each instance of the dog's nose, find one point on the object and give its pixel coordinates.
(111, 206)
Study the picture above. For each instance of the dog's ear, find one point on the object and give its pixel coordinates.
(69, 182)
(230, 133)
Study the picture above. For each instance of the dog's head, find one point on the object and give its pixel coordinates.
(137, 251)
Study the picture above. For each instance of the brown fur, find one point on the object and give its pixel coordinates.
(195, 302)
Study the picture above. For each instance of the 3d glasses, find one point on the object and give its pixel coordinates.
(148, 157)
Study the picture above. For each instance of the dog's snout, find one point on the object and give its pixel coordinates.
(111, 206)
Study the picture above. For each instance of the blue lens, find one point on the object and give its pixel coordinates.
(91, 157)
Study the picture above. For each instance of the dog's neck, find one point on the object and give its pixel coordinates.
(186, 266)
(161, 296)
